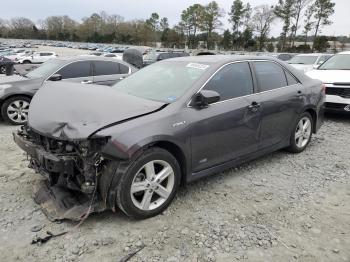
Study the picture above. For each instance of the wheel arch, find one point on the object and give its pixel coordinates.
(313, 114)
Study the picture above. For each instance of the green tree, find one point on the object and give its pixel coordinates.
(323, 10)
(210, 20)
(308, 22)
(321, 44)
(226, 42)
(284, 11)
(238, 16)
(297, 9)
(262, 20)
(191, 22)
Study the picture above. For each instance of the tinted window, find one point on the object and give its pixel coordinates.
(269, 75)
(232, 81)
(75, 70)
(124, 69)
(106, 68)
(291, 79)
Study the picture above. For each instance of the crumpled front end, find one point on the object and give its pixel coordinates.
(71, 170)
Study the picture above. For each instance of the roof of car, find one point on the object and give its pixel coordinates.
(90, 57)
(220, 59)
(313, 54)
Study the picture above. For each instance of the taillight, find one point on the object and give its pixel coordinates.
(323, 88)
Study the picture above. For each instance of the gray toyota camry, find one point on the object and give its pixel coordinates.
(131, 146)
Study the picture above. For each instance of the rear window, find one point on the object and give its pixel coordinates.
(106, 68)
(269, 75)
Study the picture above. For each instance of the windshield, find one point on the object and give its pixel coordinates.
(46, 69)
(164, 82)
(337, 62)
(303, 60)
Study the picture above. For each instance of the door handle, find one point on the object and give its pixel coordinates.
(254, 106)
(86, 82)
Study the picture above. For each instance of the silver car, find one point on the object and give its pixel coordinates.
(17, 91)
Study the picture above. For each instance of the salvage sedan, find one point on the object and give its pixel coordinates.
(133, 145)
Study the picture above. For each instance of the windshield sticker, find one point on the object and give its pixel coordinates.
(197, 66)
(171, 98)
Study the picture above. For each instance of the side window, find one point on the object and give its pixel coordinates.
(124, 69)
(291, 79)
(269, 75)
(232, 81)
(75, 70)
(106, 68)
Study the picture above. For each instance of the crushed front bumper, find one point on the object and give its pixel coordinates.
(57, 202)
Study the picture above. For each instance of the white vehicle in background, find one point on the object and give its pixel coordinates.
(37, 58)
(335, 74)
(307, 62)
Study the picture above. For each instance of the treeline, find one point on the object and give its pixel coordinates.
(199, 26)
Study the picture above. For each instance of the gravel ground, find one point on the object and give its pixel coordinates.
(281, 207)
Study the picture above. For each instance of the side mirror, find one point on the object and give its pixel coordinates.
(205, 98)
(316, 66)
(55, 77)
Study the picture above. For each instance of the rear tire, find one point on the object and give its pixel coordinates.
(15, 110)
(301, 134)
(148, 185)
(26, 62)
(2, 69)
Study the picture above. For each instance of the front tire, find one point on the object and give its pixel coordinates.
(301, 134)
(15, 110)
(149, 184)
(26, 62)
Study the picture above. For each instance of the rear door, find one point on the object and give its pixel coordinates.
(280, 98)
(80, 72)
(109, 72)
(228, 129)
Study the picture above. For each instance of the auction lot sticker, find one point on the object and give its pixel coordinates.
(197, 66)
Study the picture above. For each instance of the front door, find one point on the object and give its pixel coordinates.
(228, 129)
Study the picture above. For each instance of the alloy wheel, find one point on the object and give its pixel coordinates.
(17, 111)
(2, 70)
(303, 132)
(152, 185)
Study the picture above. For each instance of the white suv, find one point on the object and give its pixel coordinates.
(335, 74)
(38, 58)
(307, 62)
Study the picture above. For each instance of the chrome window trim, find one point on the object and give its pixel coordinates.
(90, 66)
(242, 61)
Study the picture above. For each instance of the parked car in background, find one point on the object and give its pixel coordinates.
(38, 58)
(335, 74)
(172, 122)
(307, 62)
(17, 91)
(3, 62)
(153, 57)
(283, 56)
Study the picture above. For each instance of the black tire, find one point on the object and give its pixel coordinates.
(3, 69)
(128, 173)
(26, 62)
(7, 103)
(294, 147)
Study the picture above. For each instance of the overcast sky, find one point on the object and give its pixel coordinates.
(133, 9)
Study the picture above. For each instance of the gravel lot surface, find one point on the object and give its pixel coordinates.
(282, 207)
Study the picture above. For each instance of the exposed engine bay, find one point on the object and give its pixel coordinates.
(71, 170)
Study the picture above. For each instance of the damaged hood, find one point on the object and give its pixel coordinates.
(73, 111)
